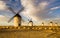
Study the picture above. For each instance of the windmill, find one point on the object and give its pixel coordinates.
(56, 24)
(30, 22)
(51, 23)
(42, 23)
(17, 17)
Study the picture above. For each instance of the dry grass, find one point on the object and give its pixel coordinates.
(30, 32)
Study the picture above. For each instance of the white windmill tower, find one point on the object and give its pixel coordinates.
(30, 22)
(56, 24)
(17, 17)
(42, 23)
(51, 23)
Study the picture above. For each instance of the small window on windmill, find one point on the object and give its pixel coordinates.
(19, 24)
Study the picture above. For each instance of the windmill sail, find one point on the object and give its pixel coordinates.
(15, 4)
(14, 13)
(11, 10)
(11, 19)
(20, 10)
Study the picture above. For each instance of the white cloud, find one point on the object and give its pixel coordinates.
(2, 16)
(54, 8)
(32, 10)
(43, 4)
(2, 5)
(50, 12)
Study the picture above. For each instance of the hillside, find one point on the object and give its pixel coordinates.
(30, 32)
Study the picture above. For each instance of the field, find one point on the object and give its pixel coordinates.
(30, 32)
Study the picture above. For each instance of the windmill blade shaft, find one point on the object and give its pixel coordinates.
(20, 10)
(11, 19)
(11, 10)
(14, 12)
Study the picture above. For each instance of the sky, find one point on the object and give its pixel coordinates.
(37, 10)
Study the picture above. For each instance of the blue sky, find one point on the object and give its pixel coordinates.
(37, 10)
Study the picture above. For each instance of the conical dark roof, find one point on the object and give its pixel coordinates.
(18, 15)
